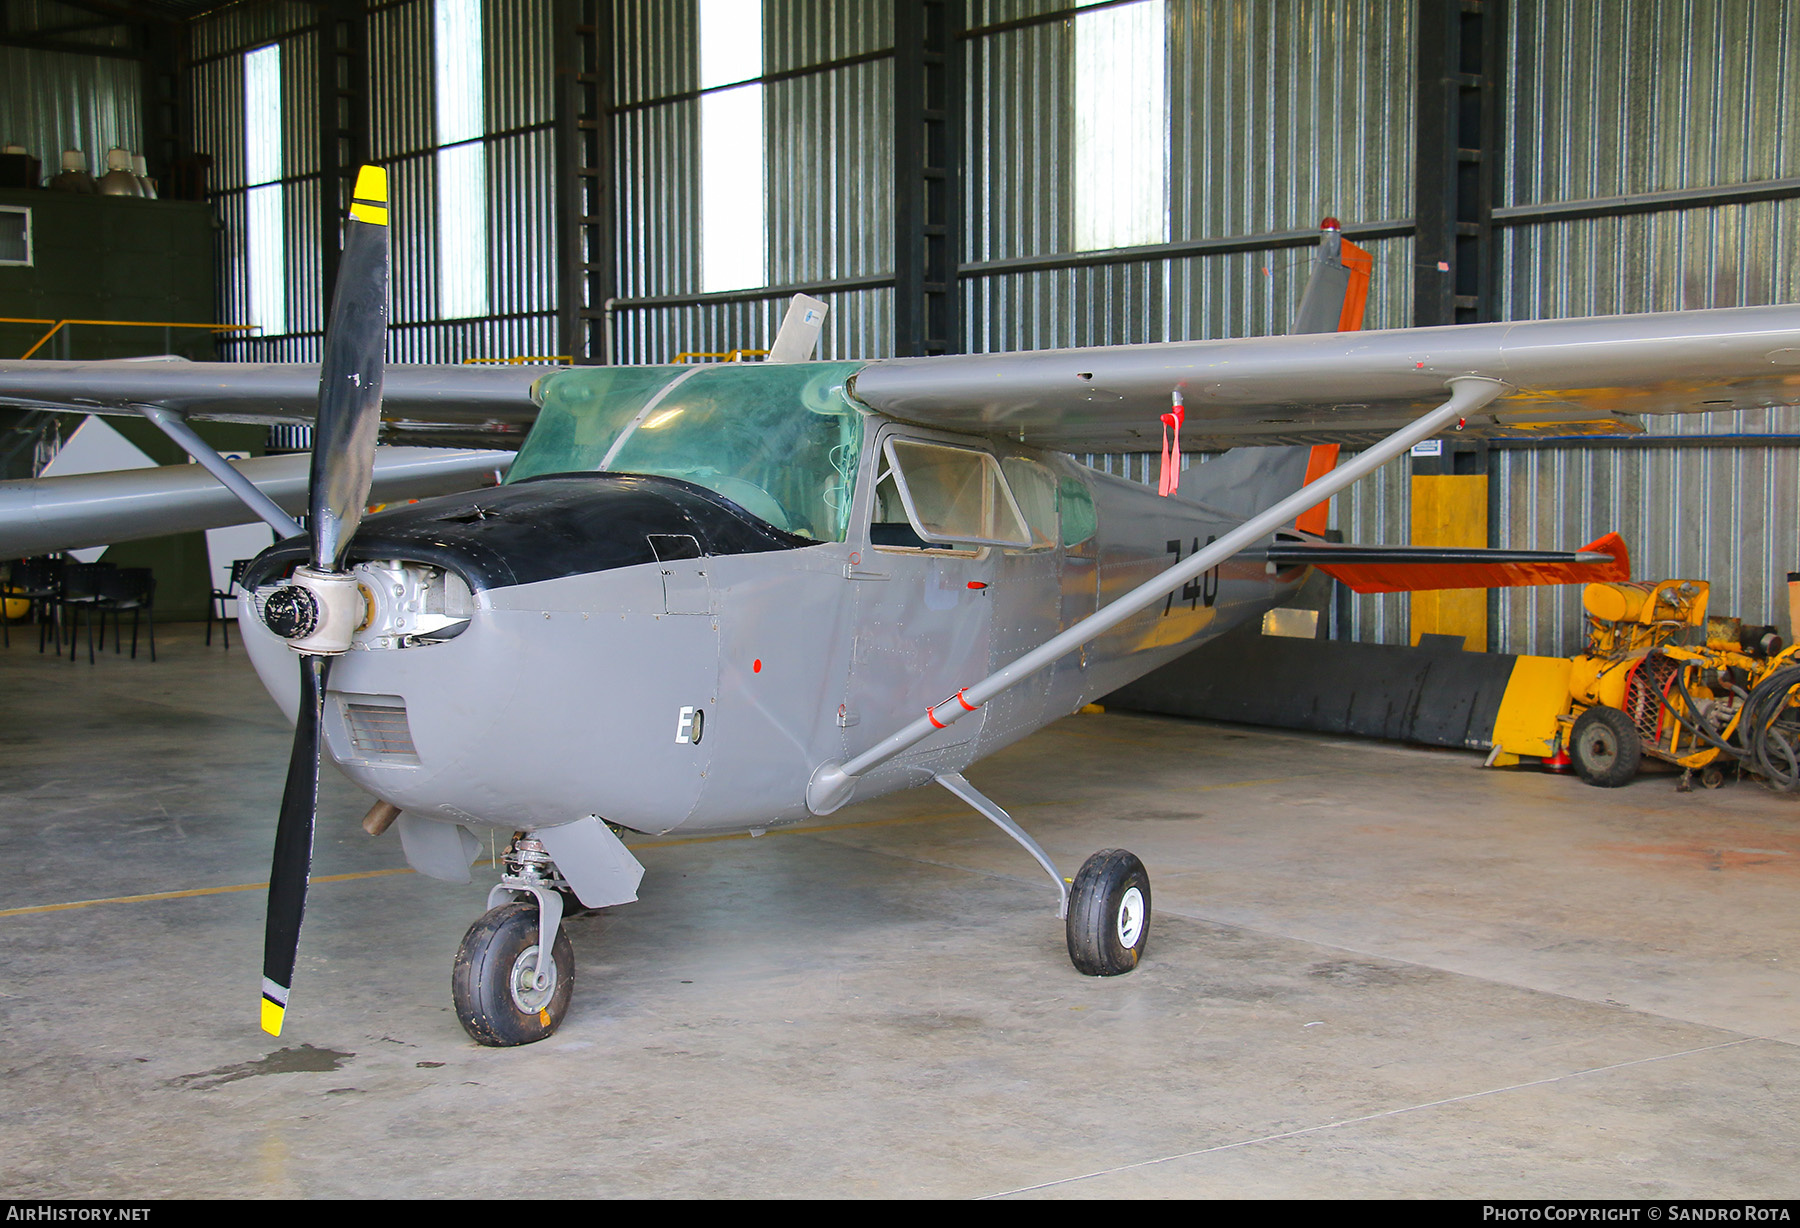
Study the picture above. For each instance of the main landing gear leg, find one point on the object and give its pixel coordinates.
(1106, 911)
(506, 991)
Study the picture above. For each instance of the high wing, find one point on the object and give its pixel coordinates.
(1561, 376)
(487, 404)
(38, 515)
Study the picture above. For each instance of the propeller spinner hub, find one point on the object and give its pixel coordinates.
(291, 612)
(317, 613)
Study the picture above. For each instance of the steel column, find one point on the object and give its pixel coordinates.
(587, 274)
(1458, 128)
(927, 175)
(163, 81)
(343, 101)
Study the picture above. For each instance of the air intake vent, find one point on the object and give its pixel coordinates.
(379, 733)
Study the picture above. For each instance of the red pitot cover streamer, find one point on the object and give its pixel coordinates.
(1170, 481)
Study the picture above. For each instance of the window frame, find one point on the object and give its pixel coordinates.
(890, 465)
(30, 252)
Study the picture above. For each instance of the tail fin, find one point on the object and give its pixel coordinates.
(1319, 462)
(1334, 299)
(1338, 290)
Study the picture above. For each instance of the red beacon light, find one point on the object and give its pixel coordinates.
(1331, 223)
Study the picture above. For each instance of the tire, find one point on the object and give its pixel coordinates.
(1109, 914)
(1605, 747)
(496, 1005)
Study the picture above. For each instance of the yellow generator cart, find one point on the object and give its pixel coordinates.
(1661, 678)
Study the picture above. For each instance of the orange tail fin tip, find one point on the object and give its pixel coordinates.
(1322, 461)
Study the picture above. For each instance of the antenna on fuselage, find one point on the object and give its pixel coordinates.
(799, 333)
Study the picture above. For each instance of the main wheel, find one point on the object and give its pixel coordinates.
(494, 980)
(1109, 913)
(1606, 747)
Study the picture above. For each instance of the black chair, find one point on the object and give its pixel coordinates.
(219, 597)
(38, 581)
(83, 589)
(128, 588)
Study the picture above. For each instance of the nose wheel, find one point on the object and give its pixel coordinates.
(501, 997)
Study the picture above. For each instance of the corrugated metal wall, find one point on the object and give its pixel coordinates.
(218, 44)
(830, 176)
(52, 100)
(518, 119)
(1280, 111)
(1654, 95)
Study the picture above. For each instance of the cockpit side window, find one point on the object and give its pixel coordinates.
(1079, 521)
(1035, 489)
(888, 525)
(952, 496)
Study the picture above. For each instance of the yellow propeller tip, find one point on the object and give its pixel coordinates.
(272, 1016)
(368, 201)
(371, 185)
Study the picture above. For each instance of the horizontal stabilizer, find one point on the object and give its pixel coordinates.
(1412, 569)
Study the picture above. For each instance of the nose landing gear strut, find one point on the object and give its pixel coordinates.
(506, 991)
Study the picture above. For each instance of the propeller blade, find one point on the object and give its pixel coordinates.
(343, 459)
(292, 863)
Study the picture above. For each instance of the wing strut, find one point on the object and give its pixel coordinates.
(833, 784)
(175, 427)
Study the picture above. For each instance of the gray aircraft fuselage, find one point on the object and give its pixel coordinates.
(641, 648)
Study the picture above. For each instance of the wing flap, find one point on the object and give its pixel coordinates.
(1414, 569)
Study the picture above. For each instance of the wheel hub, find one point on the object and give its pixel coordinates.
(1131, 918)
(526, 995)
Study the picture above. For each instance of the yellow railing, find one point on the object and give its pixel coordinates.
(726, 356)
(57, 326)
(684, 356)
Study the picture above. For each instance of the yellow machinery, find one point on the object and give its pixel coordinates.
(1662, 678)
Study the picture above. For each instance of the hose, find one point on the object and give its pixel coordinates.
(1770, 749)
(1701, 727)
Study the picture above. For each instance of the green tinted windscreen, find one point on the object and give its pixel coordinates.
(582, 412)
(778, 439)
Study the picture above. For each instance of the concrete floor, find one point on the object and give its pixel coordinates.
(1374, 971)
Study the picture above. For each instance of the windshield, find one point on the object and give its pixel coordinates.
(779, 440)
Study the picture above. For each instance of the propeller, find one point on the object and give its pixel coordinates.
(319, 610)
